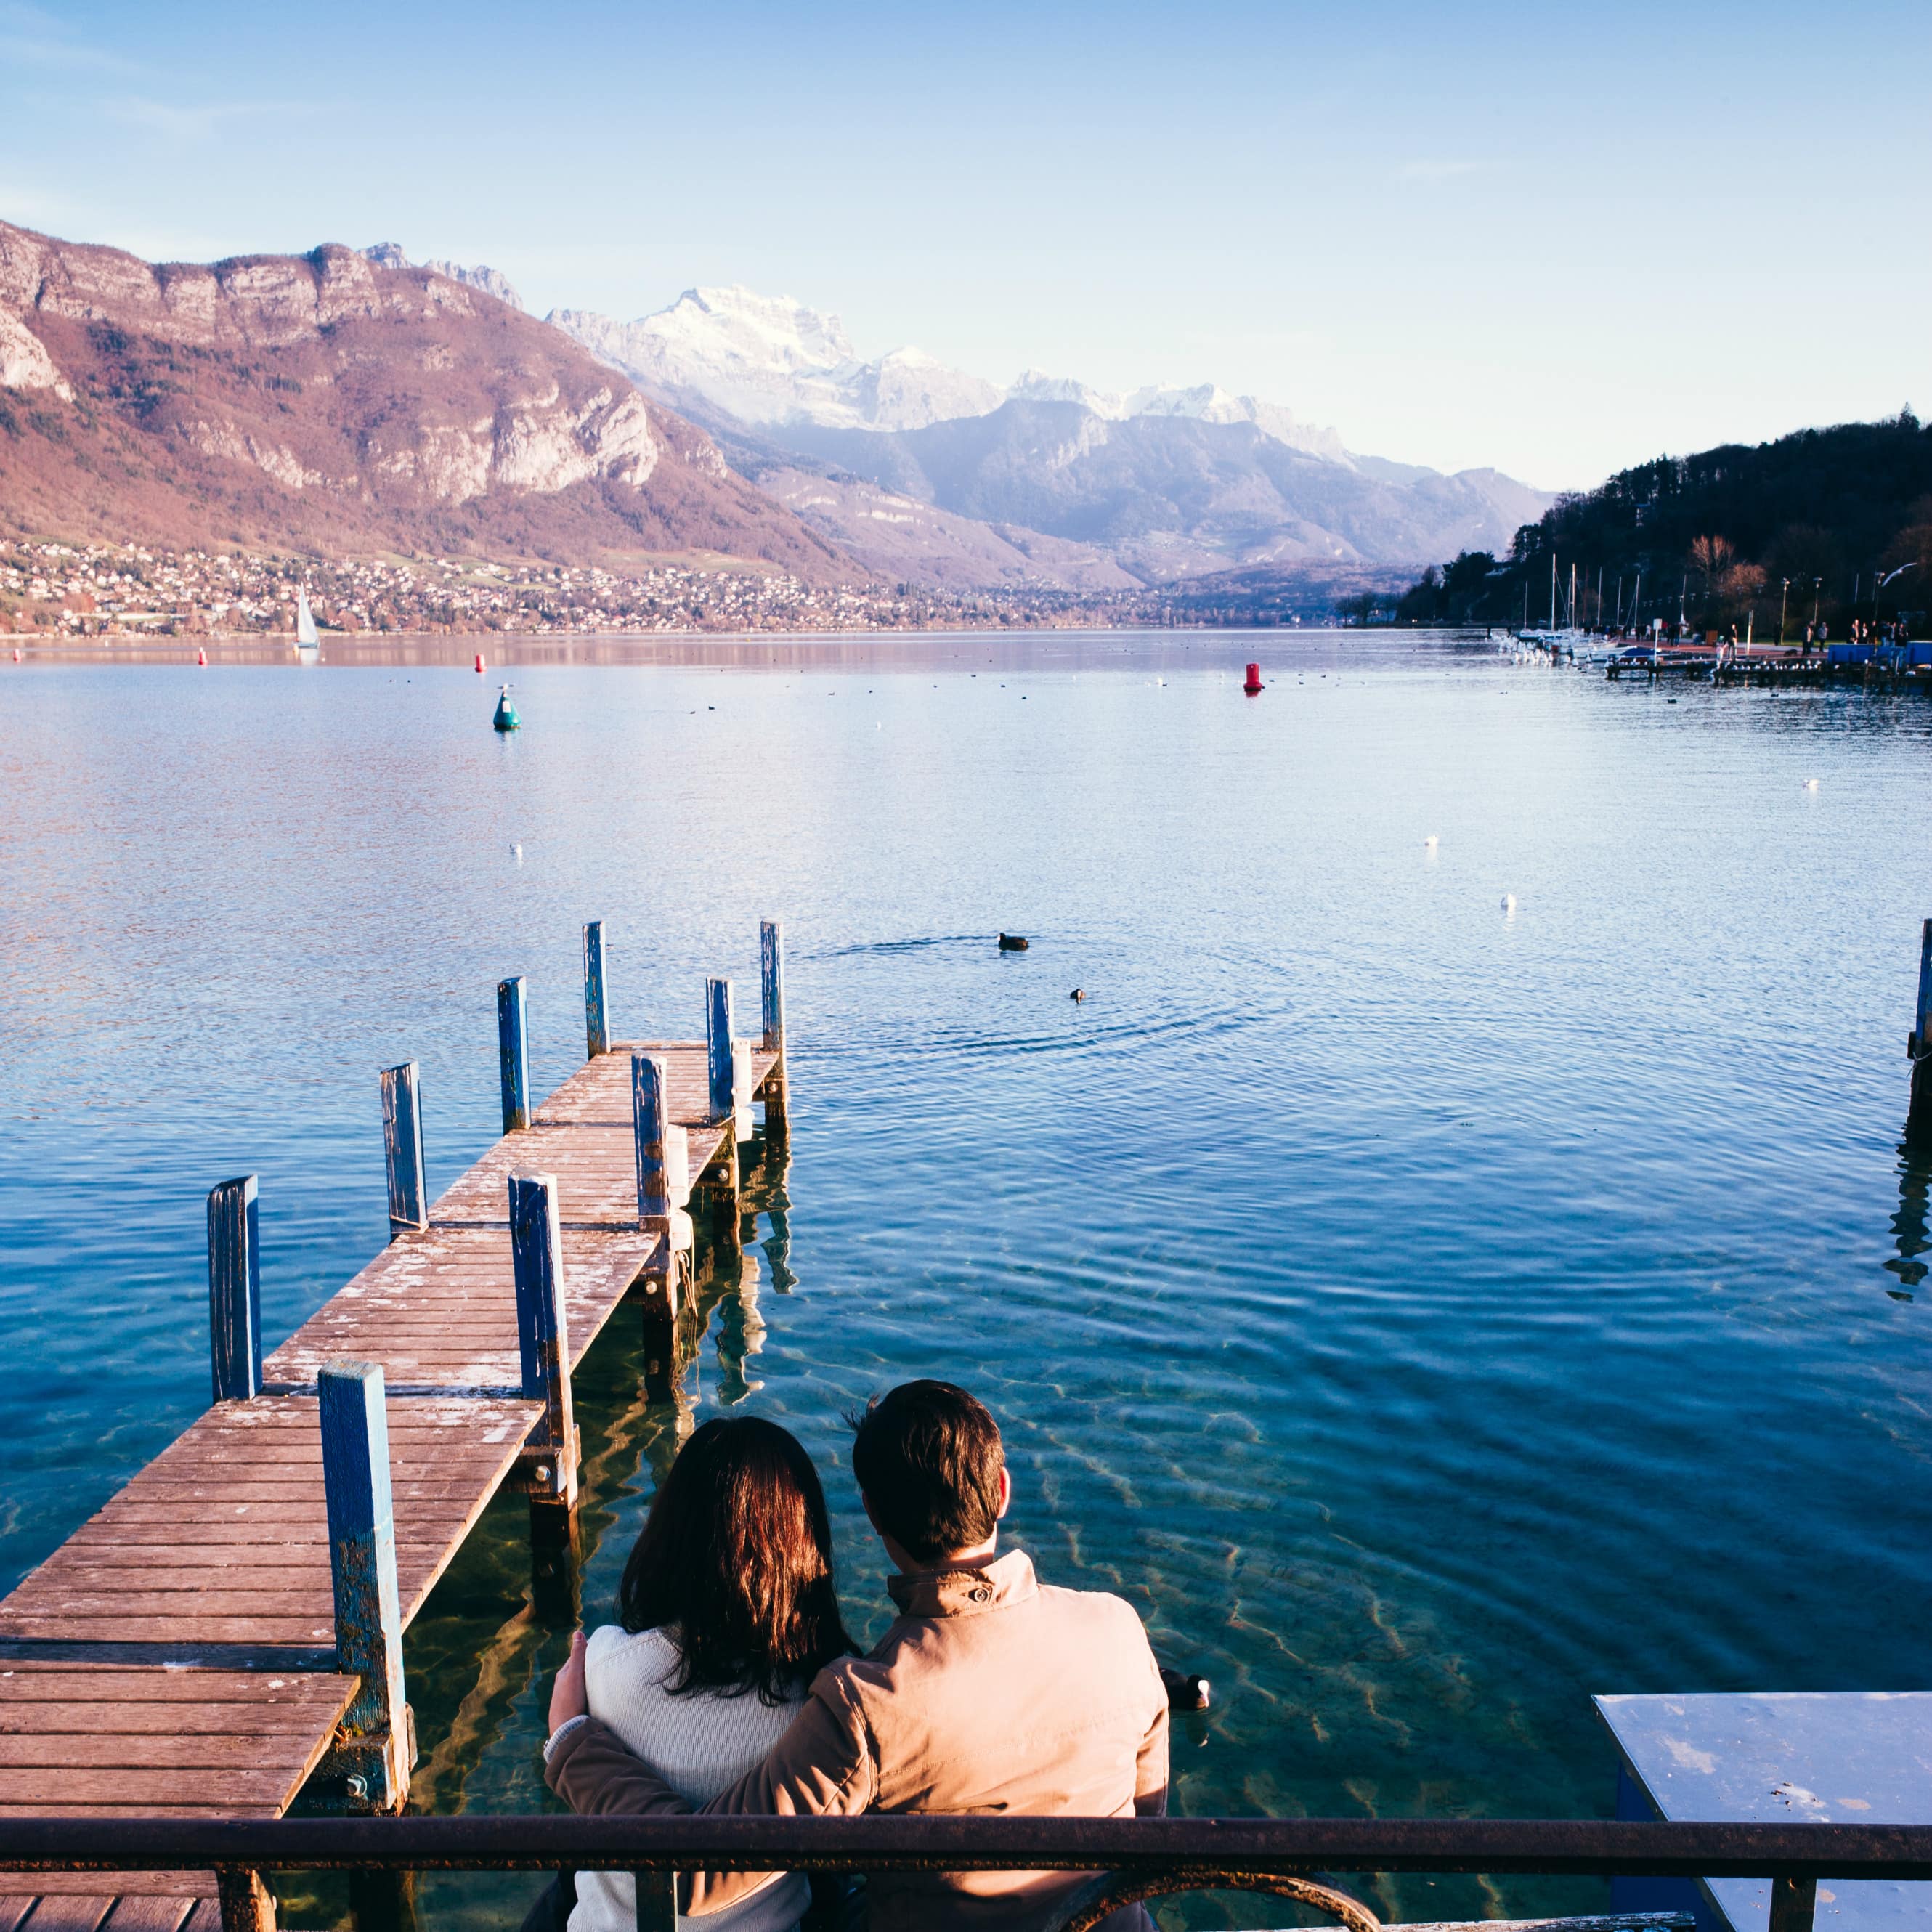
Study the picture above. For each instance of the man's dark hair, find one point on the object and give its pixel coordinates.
(928, 1456)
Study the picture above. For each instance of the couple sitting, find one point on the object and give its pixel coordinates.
(731, 1686)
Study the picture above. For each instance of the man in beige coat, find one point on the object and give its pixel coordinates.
(992, 1692)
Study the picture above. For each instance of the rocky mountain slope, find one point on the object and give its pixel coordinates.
(325, 400)
(1156, 483)
(1203, 402)
(491, 281)
(1175, 496)
(903, 539)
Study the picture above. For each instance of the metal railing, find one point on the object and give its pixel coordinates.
(1137, 1857)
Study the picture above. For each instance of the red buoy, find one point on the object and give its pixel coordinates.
(201, 656)
(479, 661)
(1253, 686)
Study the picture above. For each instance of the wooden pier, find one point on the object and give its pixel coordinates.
(225, 1635)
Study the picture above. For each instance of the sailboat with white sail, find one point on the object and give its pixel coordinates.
(308, 641)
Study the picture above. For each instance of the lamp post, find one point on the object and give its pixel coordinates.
(1783, 597)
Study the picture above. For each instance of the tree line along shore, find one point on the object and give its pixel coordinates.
(1826, 527)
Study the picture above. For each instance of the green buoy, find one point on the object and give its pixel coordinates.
(506, 719)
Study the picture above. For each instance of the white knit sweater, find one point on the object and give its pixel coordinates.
(698, 1744)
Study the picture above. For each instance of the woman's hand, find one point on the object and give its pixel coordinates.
(567, 1697)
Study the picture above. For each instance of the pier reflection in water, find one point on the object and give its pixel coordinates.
(1909, 1226)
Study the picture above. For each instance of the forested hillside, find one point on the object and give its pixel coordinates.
(1837, 520)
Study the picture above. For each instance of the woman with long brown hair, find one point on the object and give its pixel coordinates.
(726, 1613)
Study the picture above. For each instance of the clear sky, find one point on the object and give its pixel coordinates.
(1554, 239)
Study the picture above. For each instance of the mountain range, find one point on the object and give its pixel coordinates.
(328, 401)
(351, 397)
(1158, 483)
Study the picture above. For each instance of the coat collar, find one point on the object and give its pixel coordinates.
(997, 1585)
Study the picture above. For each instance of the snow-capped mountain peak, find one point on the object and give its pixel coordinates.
(770, 360)
(1204, 402)
(1036, 385)
(1207, 402)
(738, 326)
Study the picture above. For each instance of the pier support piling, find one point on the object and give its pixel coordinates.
(771, 960)
(372, 1750)
(664, 1186)
(657, 1900)
(246, 1904)
(1794, 1904)
(402, 1143)
(650, 1122)
(771, 982)
(235, 1289)
(550, 1461)
(514, 1053)
(596, 1024)
(719, 1049)
(1918, 1046)
(382, 1901)
(716, 1197)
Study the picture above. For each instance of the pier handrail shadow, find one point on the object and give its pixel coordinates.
(1140, 1857)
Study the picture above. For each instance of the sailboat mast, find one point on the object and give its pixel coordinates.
(1552, 590)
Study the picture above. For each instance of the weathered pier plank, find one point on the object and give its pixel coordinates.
(190, 1904)
(438, 1308)
(584, 1134)
(237, 1505)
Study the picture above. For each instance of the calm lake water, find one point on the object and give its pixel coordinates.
(1427, 1314)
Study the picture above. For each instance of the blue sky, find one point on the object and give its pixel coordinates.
(1556, 241)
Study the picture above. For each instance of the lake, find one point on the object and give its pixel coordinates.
(1427, 1313)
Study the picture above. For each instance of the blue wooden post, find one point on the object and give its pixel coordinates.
(717, 1041)
(1921, 1026)
(235, 1289)
(1919, 1107)
(374, 1754)
(402, 1142)
(543, 1339)
(771, 980)
(650, 1115)
(663, 1179)
(596, 1027)
(771, 957)
(513, 1048)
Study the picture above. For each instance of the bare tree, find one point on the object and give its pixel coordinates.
(1710, 558)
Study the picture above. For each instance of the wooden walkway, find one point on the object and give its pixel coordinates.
(188, 1651)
